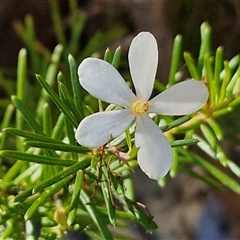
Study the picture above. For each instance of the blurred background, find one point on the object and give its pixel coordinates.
(185, 208)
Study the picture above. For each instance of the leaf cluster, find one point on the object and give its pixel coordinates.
(48, 180)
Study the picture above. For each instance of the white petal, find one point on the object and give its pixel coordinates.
(143, 60)
(96, 129)
(183, 98)
(103, 81)
(155, 153)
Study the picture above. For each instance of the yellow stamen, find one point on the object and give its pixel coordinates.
(139, 107)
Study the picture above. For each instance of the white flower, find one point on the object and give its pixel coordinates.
(104, 82)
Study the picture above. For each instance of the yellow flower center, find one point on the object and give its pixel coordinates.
(139, 107)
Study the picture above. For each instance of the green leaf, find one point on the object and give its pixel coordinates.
(145, 219)
(30, 135)
(174, 167)
(57, 21)
(68, 100)
(235, 102)
(223, 111)
(42, 199)
(23, 195)
(234, 168)
(209, 77)
(47, 120)
(176, 55)
(215, 128)
(176, 123)
(96, 216)
(78, 22)
(217, 153)
(107, 198)
(191, 66)
(108, 56)
(236, 88)
(75, 198)
(57, 131)
(140, 211)
(11, 174)
(65, 173)
(225, 81)
(22, 74)
(205, 48)
(93, 235)
(27, 34)
(77, 90)
(210, 135)
(232, 82)
(184, 142)
(217, 173)
(159, 86)
(26, 114)
(58, 101)
(117, 57)
(58, 146)
(5, 123)
(128, 138)
(217, 71)
(50, 77)
(209, 181)
(100, 40)
(40, 159)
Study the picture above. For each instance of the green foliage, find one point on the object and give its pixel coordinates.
(47, 179)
